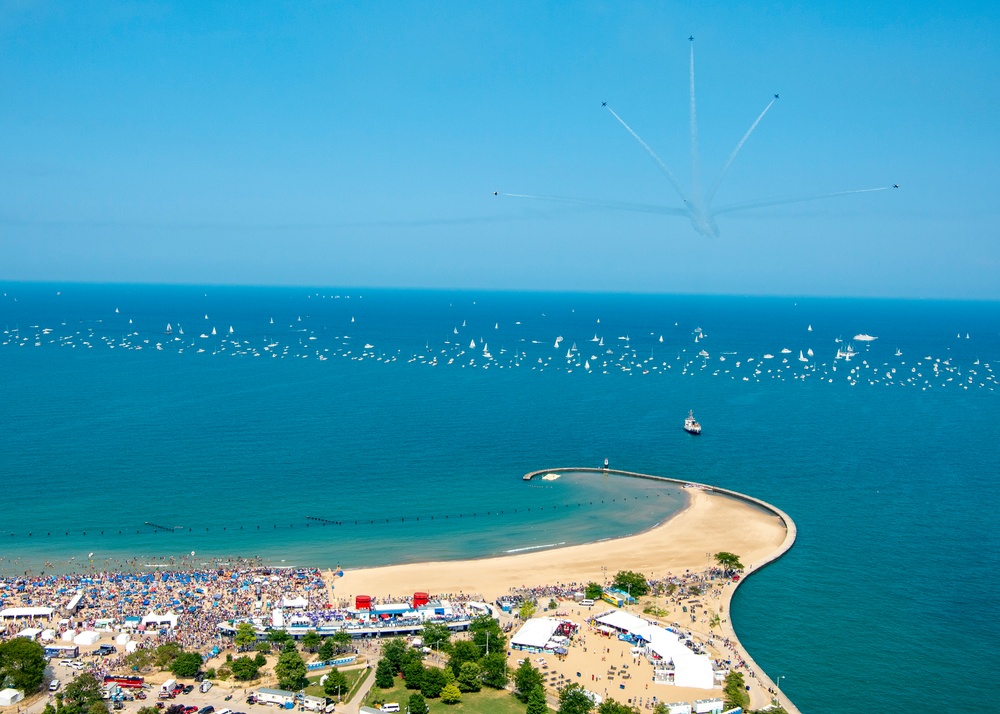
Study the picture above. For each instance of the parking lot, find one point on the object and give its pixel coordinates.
(66, 670)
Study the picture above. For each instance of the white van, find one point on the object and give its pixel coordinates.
(587, 602)
(390, 707)
(205, 686)
(54, 685)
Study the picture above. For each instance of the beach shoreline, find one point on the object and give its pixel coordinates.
(712, 520)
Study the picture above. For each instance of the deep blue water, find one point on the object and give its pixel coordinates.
(233, 440)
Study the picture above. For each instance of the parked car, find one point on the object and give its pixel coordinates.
(188, 688)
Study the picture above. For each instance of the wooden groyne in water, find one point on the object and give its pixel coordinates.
(784, 547)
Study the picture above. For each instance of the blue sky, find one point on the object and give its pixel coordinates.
(359, 144)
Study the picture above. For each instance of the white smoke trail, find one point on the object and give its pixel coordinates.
(659, 162)
(732, 156)
(695, 157)
(802, 199)
(616, 205)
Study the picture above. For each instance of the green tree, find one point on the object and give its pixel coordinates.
(451, 694)
(165, 654)
(487, 635)
(97, 707)
(384, 674)
(593, 591)
(631, 582)
(245, 668)
(494, 665)
(413, 673)
(536, 702)
(437, 636)
(610, 706)
(290, 670)
(469, 677)
(148, 710)
(327, 649)
(245, 637)
(278, 636)
(729, 562)
(22, 664)
(259, 659)
(311, 640)
(527, 609)
(433, 682)
(526, 678)
(186, 664)
(573, 700)
(264, 647)
(661, 708)
(417, 705)
(735, 691)
(140, 660)
(342, 640)
(289, 646)
(335, 684)
(395, 651)
(80, 694)
(461, 652)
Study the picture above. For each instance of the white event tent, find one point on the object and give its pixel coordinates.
(14, 613)
(535, 633)
(169, 619)
(690, 669)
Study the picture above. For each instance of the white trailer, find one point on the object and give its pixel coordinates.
(281, 697)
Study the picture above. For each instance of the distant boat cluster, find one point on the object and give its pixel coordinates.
(490, 346)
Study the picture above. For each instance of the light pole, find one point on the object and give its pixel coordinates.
(604, 573)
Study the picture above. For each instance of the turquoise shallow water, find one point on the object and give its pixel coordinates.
(890, 476)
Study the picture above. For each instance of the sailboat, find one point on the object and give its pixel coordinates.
(169, 329)
(213, 331)
(802, 357)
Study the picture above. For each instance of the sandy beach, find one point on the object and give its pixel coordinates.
(681, 546)
(710, 523)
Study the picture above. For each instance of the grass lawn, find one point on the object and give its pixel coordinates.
(354, 676)
(488, 701)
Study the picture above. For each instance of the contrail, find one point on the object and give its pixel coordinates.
(659, 162)
(802, 199)
(617, 205)
(732, 156)
(695, 158)
(698, 208)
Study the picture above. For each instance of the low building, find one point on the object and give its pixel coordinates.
(708, 706)
(10, 697)
(281, 697)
